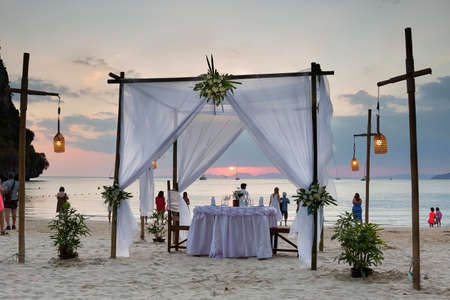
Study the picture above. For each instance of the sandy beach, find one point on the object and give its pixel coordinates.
(152, 273)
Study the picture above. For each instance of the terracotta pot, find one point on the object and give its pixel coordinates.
(236, 203)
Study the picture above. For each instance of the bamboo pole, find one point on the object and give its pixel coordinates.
(315, 175)
(22, 155)
(116, 169)
(411, 88)
(169, 222)
(142, 228)
(176, 219)
(368, 137)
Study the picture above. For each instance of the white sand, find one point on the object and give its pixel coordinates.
(151, 272)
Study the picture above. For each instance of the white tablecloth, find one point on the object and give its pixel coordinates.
(223, 231)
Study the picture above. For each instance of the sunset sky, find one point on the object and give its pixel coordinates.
(74, 45)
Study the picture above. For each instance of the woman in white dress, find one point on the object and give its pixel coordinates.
(275, 203)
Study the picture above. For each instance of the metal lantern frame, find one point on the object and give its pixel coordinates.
(58, 140)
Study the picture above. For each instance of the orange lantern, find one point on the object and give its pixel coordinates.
(58, 140)
(380, 144)
(154, 165)
(355, 164)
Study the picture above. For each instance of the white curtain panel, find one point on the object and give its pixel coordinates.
(153, 115)
(146, 193)
(126, 229)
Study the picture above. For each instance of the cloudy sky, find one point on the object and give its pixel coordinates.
(74, 44)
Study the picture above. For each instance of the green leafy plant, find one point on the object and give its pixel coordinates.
(68, 227)
(238, 194)
(360, 243)
(215, 86)
(314, 197)
(114, 195)
(158, 225)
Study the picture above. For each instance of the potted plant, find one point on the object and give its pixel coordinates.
(68, 227)
(360, 243)
(158, 225)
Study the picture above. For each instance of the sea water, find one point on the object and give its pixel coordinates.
(390, 200)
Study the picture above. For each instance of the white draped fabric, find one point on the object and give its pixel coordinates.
(126, 229)
(219, 231)
(276, 111)
(146, 193)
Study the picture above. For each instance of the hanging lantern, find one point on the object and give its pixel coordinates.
(58, 140)
(380, 144)
(354, 163)
(154, 165)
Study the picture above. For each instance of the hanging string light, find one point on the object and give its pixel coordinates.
(354, 161)
(58, 140)
(379, 141)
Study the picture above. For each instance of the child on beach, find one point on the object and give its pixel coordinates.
(432, 217)
(438, 217)
(62, 198)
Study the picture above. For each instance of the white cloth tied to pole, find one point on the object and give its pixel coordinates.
(126, 229)
(276, 112)
(146, 193)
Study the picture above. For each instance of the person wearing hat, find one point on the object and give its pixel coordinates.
(10, 190)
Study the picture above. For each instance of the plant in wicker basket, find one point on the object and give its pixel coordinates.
(114, 195)
(314, 197)
(158, 227)
(215, 86)
(68, 227)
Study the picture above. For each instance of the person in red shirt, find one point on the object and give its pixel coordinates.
(432, 217)
(160, 202)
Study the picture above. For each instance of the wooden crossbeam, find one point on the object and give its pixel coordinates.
(31, 92)
(403, 77)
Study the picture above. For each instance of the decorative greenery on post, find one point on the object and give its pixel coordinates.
(68, 226)
(360, 243)
(215, 86)
(114, 195)
(158, 227)
(314, 197)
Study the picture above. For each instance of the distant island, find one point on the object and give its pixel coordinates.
(9, 136)
(442, 176)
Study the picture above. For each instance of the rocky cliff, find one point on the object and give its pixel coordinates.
(36, 162)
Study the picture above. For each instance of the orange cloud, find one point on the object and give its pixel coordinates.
(231, 171)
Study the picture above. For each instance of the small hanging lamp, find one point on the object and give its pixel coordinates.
(354, 162)
(379, 141)
(154, 165)
(58, 140)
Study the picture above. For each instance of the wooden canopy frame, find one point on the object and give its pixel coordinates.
(121, 80)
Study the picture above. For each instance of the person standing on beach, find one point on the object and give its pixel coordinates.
(438, 217)
(160, 202)
(2, 208)
(61, 197)
(10, 189)
(432, 217)
(275, 203)
(284, 207)
(356, 209)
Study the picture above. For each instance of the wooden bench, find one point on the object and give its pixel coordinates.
(275, 233)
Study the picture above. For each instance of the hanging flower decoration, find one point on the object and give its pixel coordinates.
(215, 86)
(113, 195)
(314, 197)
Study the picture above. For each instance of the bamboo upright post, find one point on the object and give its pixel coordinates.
(22, 155)
(410, 76)
(315, 175)
(116, 169)
(369, 136)
(176, 219)
(169, 222)
(142, 228)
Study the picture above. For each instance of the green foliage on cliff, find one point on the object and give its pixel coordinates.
(36, 162)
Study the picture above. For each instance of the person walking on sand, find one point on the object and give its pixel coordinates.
(438, 217)
(2, 208)
(10, 189)
(275, 203)
(284, 207)
(61, 198)
(356, 209)
(432, 217)
(160, 202)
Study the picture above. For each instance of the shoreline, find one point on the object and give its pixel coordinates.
(151, 272)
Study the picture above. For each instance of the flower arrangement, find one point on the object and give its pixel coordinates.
(314, 197)
(158, 227)
(114, 195)
(215, 86)
(238, 194)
